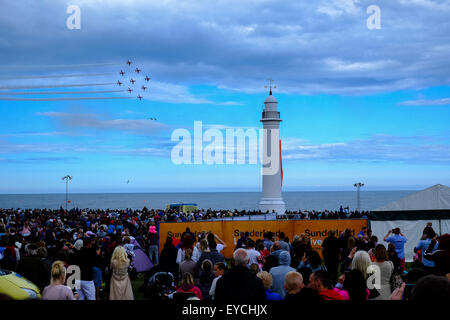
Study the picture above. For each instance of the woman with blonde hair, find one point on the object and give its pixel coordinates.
(204, 246)
(187, 285)
(57, 290)
(361, 261)
(120, 281)
(267, 280)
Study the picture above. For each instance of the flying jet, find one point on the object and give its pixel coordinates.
(144, 87)
(121, 73)
(132, 81)
(129, 90)
(147, 78)
(139, 97)
(137, 70)
(128, 62)
(119, 83)
(151, 118)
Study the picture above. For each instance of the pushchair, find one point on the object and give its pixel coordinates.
(159, 286)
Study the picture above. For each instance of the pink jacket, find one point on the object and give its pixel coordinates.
(346, 296)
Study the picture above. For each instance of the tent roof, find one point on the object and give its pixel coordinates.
(436, 197)
(425, 204)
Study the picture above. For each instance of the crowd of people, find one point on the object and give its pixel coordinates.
(43, 245)
(278, 269)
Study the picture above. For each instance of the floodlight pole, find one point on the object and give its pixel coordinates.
(358, 197)
(67, 178)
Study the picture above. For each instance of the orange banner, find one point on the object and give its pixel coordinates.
(229, 230)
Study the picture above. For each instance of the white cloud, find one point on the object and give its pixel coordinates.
(377, 148)
(338, 7)
(443, 101)
(359, 66)
(306, 47)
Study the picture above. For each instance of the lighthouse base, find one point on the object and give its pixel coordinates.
(272, 204)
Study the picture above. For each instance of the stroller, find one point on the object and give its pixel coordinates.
(159, 286)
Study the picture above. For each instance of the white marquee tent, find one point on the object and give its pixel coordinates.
(411, 214)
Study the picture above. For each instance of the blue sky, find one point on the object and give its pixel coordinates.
(357, 104)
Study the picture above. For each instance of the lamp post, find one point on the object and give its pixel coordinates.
(67, 178)
(358, 199)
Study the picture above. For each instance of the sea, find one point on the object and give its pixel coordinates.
(301, 200)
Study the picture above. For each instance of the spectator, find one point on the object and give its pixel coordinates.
(242, 240)
(361, 261)
(423, 245)
(86, 258)
(212, 254)
(263, 253)
(279, 273)
(252, 253)
(276, 249)
(220, 244)
(152, 243)
(34, 268)
(411, 279)
(254, 267)
(267, 280)
(57, 290)
(354, 286)
(239, 284)
(120, 287)
(203, 246)
(432, 288)
(386, 268)
(392, 256)
(300, 245)
(8, 262)
(312, 260)
(188, 265)
(168, 255)
(399, 240)
(330, 251)
(219, 270)
(187, 285)
(321, 282)
(189, 232)
(283, 244)
(187, 244)
(441, 257)
(293, 283)
(271, 262)
(362, 233)
(206, 278)
(268, 243)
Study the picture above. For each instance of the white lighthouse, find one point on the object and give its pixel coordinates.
(271, 199)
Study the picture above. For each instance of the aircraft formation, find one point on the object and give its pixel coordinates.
(131, 78)
(133, 81)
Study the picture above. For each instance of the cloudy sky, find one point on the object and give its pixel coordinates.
(357, 104)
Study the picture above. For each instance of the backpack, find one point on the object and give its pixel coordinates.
(396, 279)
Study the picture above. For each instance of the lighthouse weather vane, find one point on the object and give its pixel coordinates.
(270, 85)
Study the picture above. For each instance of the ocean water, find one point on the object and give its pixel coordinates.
(307, 200)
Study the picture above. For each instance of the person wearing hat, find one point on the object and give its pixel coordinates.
(86, 258)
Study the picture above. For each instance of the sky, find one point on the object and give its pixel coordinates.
(357, 104)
